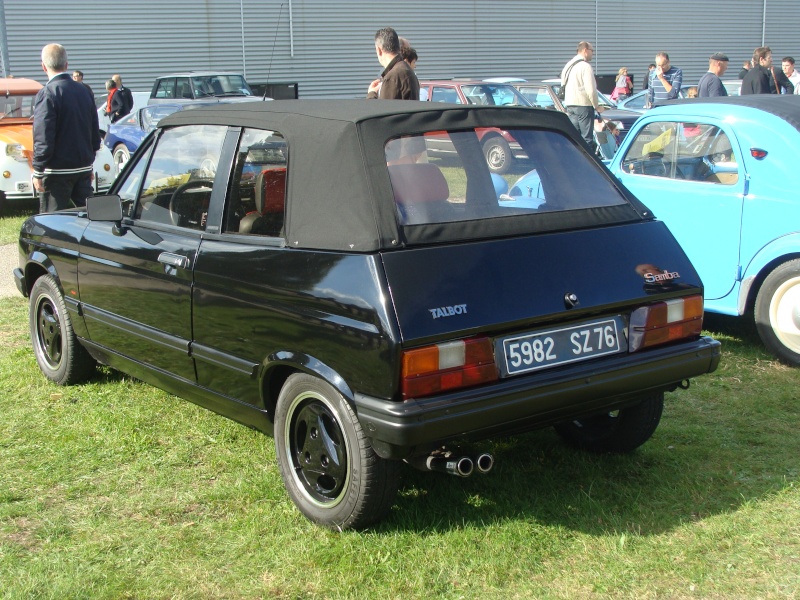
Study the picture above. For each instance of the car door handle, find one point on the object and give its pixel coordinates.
(174, 260)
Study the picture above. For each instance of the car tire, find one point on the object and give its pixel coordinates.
(121, 156)
(58, 352)
(327, 464)
(498, 155)
(777, 312)
(615, 432)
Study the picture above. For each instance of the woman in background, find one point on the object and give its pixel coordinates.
(623, 86)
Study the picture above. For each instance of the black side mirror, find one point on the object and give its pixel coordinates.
(104, 208)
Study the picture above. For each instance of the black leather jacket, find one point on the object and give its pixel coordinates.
(66, 134)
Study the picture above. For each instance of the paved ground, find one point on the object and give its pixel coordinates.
(9, 260)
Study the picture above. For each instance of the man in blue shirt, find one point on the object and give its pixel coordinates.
(665, 81)
(710, 84)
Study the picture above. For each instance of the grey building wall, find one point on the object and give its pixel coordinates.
(327, 47)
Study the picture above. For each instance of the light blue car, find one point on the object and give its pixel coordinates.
(722, 174)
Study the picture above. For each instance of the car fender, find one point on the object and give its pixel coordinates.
(38, 263)
(297, 361)
(777, 251)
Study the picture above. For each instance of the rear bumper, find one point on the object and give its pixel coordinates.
(529, 402)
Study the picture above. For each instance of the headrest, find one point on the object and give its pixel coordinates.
(420, 182)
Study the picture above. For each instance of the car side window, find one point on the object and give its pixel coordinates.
(683, 150)
(180, 177)
(128, 190)
(166, 88)
(538, 96)
(257, 198)
(183, 88)
(444, 94)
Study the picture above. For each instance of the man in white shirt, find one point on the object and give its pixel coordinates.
(787, 64)
(580, 92)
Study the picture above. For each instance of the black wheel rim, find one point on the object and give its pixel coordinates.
(317, 449)
(48, 332)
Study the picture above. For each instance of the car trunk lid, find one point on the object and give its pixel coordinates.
(500, 286)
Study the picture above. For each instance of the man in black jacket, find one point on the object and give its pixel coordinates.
(125, 94)
(66, 136)
(762, 78)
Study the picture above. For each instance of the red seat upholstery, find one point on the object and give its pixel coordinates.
(271, 191)
(270, 199)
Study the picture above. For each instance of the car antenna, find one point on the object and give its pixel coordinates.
(274, 40)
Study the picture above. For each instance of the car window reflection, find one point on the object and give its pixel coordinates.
(177, 186)
(256, 203)
(683, 150)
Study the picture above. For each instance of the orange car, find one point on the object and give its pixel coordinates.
(16, 143)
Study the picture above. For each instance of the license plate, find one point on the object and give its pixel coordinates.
(543, 349)
(24, 186)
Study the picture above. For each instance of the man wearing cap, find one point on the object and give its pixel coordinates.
(710, 84)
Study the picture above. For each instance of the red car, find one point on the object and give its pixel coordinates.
(499, 148)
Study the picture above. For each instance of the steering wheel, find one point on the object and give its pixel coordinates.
(177, 203)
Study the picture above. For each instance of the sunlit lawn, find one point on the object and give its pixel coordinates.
(114, 489)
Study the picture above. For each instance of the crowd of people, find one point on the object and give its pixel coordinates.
(66, 131)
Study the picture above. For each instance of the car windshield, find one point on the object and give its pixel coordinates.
(493, 95)
(459, 187)
(13, 107)
(220, 85)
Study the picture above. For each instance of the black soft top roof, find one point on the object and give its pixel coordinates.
(785, 106)
(340, 195)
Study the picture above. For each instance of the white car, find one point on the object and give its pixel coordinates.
(16, 143)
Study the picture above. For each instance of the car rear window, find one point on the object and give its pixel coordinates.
(443, 177)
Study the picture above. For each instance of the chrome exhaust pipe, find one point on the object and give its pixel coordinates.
(444, 462)
(484, 463)
(461, 466)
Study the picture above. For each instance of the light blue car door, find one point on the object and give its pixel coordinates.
(692, 176)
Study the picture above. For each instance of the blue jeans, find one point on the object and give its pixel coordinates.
(59, 190)
(583, 119)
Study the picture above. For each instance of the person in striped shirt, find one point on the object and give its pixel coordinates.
(665, 81)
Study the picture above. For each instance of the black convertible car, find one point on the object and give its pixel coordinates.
(305, 268)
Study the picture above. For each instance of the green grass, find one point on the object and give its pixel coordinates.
(11, 218)
(115, 489)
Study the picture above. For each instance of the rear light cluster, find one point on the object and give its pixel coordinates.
(441, 367)
(665, 322)
(465, 363)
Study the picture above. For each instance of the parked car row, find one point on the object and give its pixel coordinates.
(499, 148)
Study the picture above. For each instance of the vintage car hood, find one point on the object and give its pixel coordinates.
(17, 134)
(502, 285)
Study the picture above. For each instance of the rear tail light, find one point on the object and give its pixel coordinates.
(665, 322)
(448, 366)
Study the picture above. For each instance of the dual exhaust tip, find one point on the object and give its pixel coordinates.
(454, 464)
